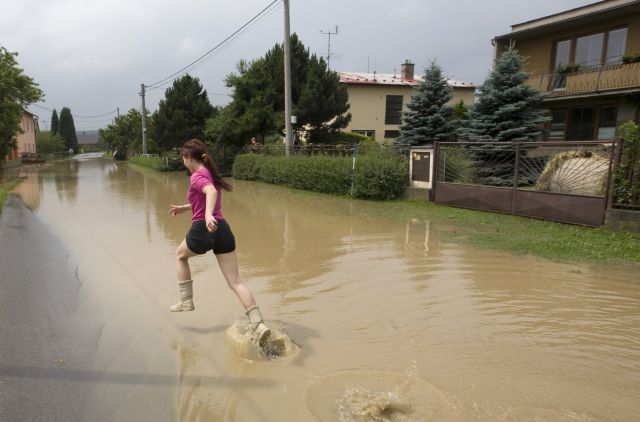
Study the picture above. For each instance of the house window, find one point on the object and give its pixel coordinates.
(591, 50)
(563, 50)
(616, 45)
(607, 123)
(558, 125)
(366, 132)
(390, 134)
(582, 122)
(393, 112)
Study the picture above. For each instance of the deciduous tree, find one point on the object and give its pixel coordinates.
(17, 91)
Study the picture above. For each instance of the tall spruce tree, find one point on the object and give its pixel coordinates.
(182, 113)
(507, 110)
(67, 129)
(428, 118)
(54, 122)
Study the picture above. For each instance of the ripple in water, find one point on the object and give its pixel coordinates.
(375, 396)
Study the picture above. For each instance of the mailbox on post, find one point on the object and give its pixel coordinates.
(421, 167)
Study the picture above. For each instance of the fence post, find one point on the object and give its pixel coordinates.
(614, 161)
(353, 166)
(436, 169)
(516, 174)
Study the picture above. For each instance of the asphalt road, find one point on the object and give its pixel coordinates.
(41, 335)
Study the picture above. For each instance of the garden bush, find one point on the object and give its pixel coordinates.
(378, 175)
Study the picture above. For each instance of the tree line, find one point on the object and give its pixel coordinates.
(61, 136)
(256, 109)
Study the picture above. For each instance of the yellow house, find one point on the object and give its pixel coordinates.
(377, 101)
(583, 60)
(25, 141)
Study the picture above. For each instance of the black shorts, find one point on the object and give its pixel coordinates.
(200, 240)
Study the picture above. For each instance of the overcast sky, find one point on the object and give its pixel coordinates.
(92, 55)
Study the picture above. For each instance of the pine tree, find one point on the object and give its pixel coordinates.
(54, 122)
(182, 113)
(507, 110)
(67, 130)
(428, 118)
(319, 100)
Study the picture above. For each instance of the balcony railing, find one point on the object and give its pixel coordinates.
(594, 79)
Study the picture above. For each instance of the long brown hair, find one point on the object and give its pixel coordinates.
(197, 150)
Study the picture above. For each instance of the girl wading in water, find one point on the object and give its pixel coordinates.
(210, 231)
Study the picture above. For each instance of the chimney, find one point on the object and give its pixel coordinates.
(406, 70)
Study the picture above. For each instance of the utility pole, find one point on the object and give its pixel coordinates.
(144, 122)
(329, 33)
(117, 111)
(287, 81)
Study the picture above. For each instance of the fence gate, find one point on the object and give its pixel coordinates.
(560, 181)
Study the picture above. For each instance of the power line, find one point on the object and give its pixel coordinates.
(223, 46)
(80, 115)
(154, 85)
(97, 115)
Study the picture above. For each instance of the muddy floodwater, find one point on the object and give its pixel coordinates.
(389, 318)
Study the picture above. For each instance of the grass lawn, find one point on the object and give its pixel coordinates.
(524, 235)
(7, 187)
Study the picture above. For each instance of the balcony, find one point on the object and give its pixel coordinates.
(591, 80)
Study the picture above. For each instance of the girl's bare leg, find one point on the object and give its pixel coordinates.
(229, 266)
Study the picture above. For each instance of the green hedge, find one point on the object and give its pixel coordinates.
(378, 175)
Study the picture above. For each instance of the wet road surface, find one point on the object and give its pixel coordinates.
(392, 318)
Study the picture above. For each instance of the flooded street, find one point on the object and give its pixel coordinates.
(391, 319)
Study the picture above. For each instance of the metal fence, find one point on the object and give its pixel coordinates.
(561, 181)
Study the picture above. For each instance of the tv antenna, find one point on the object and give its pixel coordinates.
(329, 33)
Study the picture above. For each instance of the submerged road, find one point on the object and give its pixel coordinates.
(40, 332)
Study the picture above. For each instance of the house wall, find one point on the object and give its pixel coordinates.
(539, 53)
(368, 105)
(26, 141)
(539, 49)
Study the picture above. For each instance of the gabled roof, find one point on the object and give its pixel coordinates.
(388, 79)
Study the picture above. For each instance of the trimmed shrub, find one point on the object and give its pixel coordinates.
(379, 175)
(245, 167)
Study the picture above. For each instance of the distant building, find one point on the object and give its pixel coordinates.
(378, 100)
(583, 59)
(88, 137)
(25, 141)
